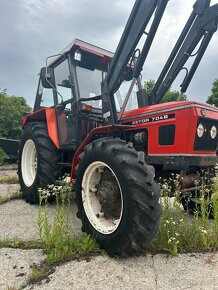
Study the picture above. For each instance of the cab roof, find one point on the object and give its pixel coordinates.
(83, 46)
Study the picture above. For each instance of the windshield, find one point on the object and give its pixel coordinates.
(121, 94)
(90, 84)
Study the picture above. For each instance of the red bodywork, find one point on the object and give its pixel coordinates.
(184, 115)
(47, 115)
(185, 120)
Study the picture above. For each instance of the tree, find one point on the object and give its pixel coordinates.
(170, 96)
(11, 108)
(213, 98)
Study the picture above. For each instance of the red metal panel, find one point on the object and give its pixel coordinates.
(47, 115)
(52, 125)
(185, 120)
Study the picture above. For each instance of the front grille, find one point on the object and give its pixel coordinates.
(206, 143)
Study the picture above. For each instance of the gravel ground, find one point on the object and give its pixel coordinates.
(6, 190)
(19, 220)
(15, 266)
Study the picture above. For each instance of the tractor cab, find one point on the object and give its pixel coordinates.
(71, 83)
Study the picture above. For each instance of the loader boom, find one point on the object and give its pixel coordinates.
(198, 30)
(135, 27)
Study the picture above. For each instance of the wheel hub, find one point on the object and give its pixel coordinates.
(102, 197)
(109, 198)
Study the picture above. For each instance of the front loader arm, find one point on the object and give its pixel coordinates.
(138, 20)
(199, 29)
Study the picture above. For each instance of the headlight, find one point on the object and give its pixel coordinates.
(213, 132)
(200, 130)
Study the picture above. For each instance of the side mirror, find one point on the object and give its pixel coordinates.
(47, 77)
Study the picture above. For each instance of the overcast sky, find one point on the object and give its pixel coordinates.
(31, 30)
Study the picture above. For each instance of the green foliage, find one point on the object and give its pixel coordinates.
(173, 96)
(60, 245)
(39, 272)
(213, 98)
(148, 86)
(9, 179)
(180, 231)
(12, 108)
(170, 95)
(18, 243)
(3, 156)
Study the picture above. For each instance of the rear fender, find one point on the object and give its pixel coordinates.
(47, 115)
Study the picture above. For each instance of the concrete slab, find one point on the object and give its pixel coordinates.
(191, 271)
(15, 266)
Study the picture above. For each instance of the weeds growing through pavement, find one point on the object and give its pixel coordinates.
(180, 231)
(11, 179)
(18, 243)
(60, 245)
(15, 195)
(38, 272)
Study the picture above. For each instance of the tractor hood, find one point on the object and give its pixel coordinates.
(142, 113)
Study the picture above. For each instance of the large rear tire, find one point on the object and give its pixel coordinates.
(37, 161)
(117, 197)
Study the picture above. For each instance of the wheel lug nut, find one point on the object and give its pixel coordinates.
(93, 189)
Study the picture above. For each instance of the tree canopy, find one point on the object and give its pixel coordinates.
(213, 98)
(11, 108)
(170, 96)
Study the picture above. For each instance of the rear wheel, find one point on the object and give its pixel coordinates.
(118, 200)
(37, 161)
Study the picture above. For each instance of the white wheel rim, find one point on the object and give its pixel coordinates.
(91, 204)
(29, 163)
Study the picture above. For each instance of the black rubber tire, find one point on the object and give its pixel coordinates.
(141, 208)
(47, 160)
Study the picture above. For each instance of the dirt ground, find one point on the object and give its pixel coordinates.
(19, 221)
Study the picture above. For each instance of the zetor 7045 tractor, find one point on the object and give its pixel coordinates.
(93, 118)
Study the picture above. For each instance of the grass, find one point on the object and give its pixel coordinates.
(19, 244)
(180, 231)
(15, 195)
(3, 156)
(11, 179)
(39, 272)
(60, 245)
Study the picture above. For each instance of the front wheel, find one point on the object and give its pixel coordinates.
(117, 197)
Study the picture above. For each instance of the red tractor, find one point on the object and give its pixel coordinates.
(92, 118)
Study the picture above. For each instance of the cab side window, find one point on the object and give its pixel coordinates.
(45, 96)
(63, 86)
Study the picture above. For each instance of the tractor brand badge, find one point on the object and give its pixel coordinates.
(153, 119)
